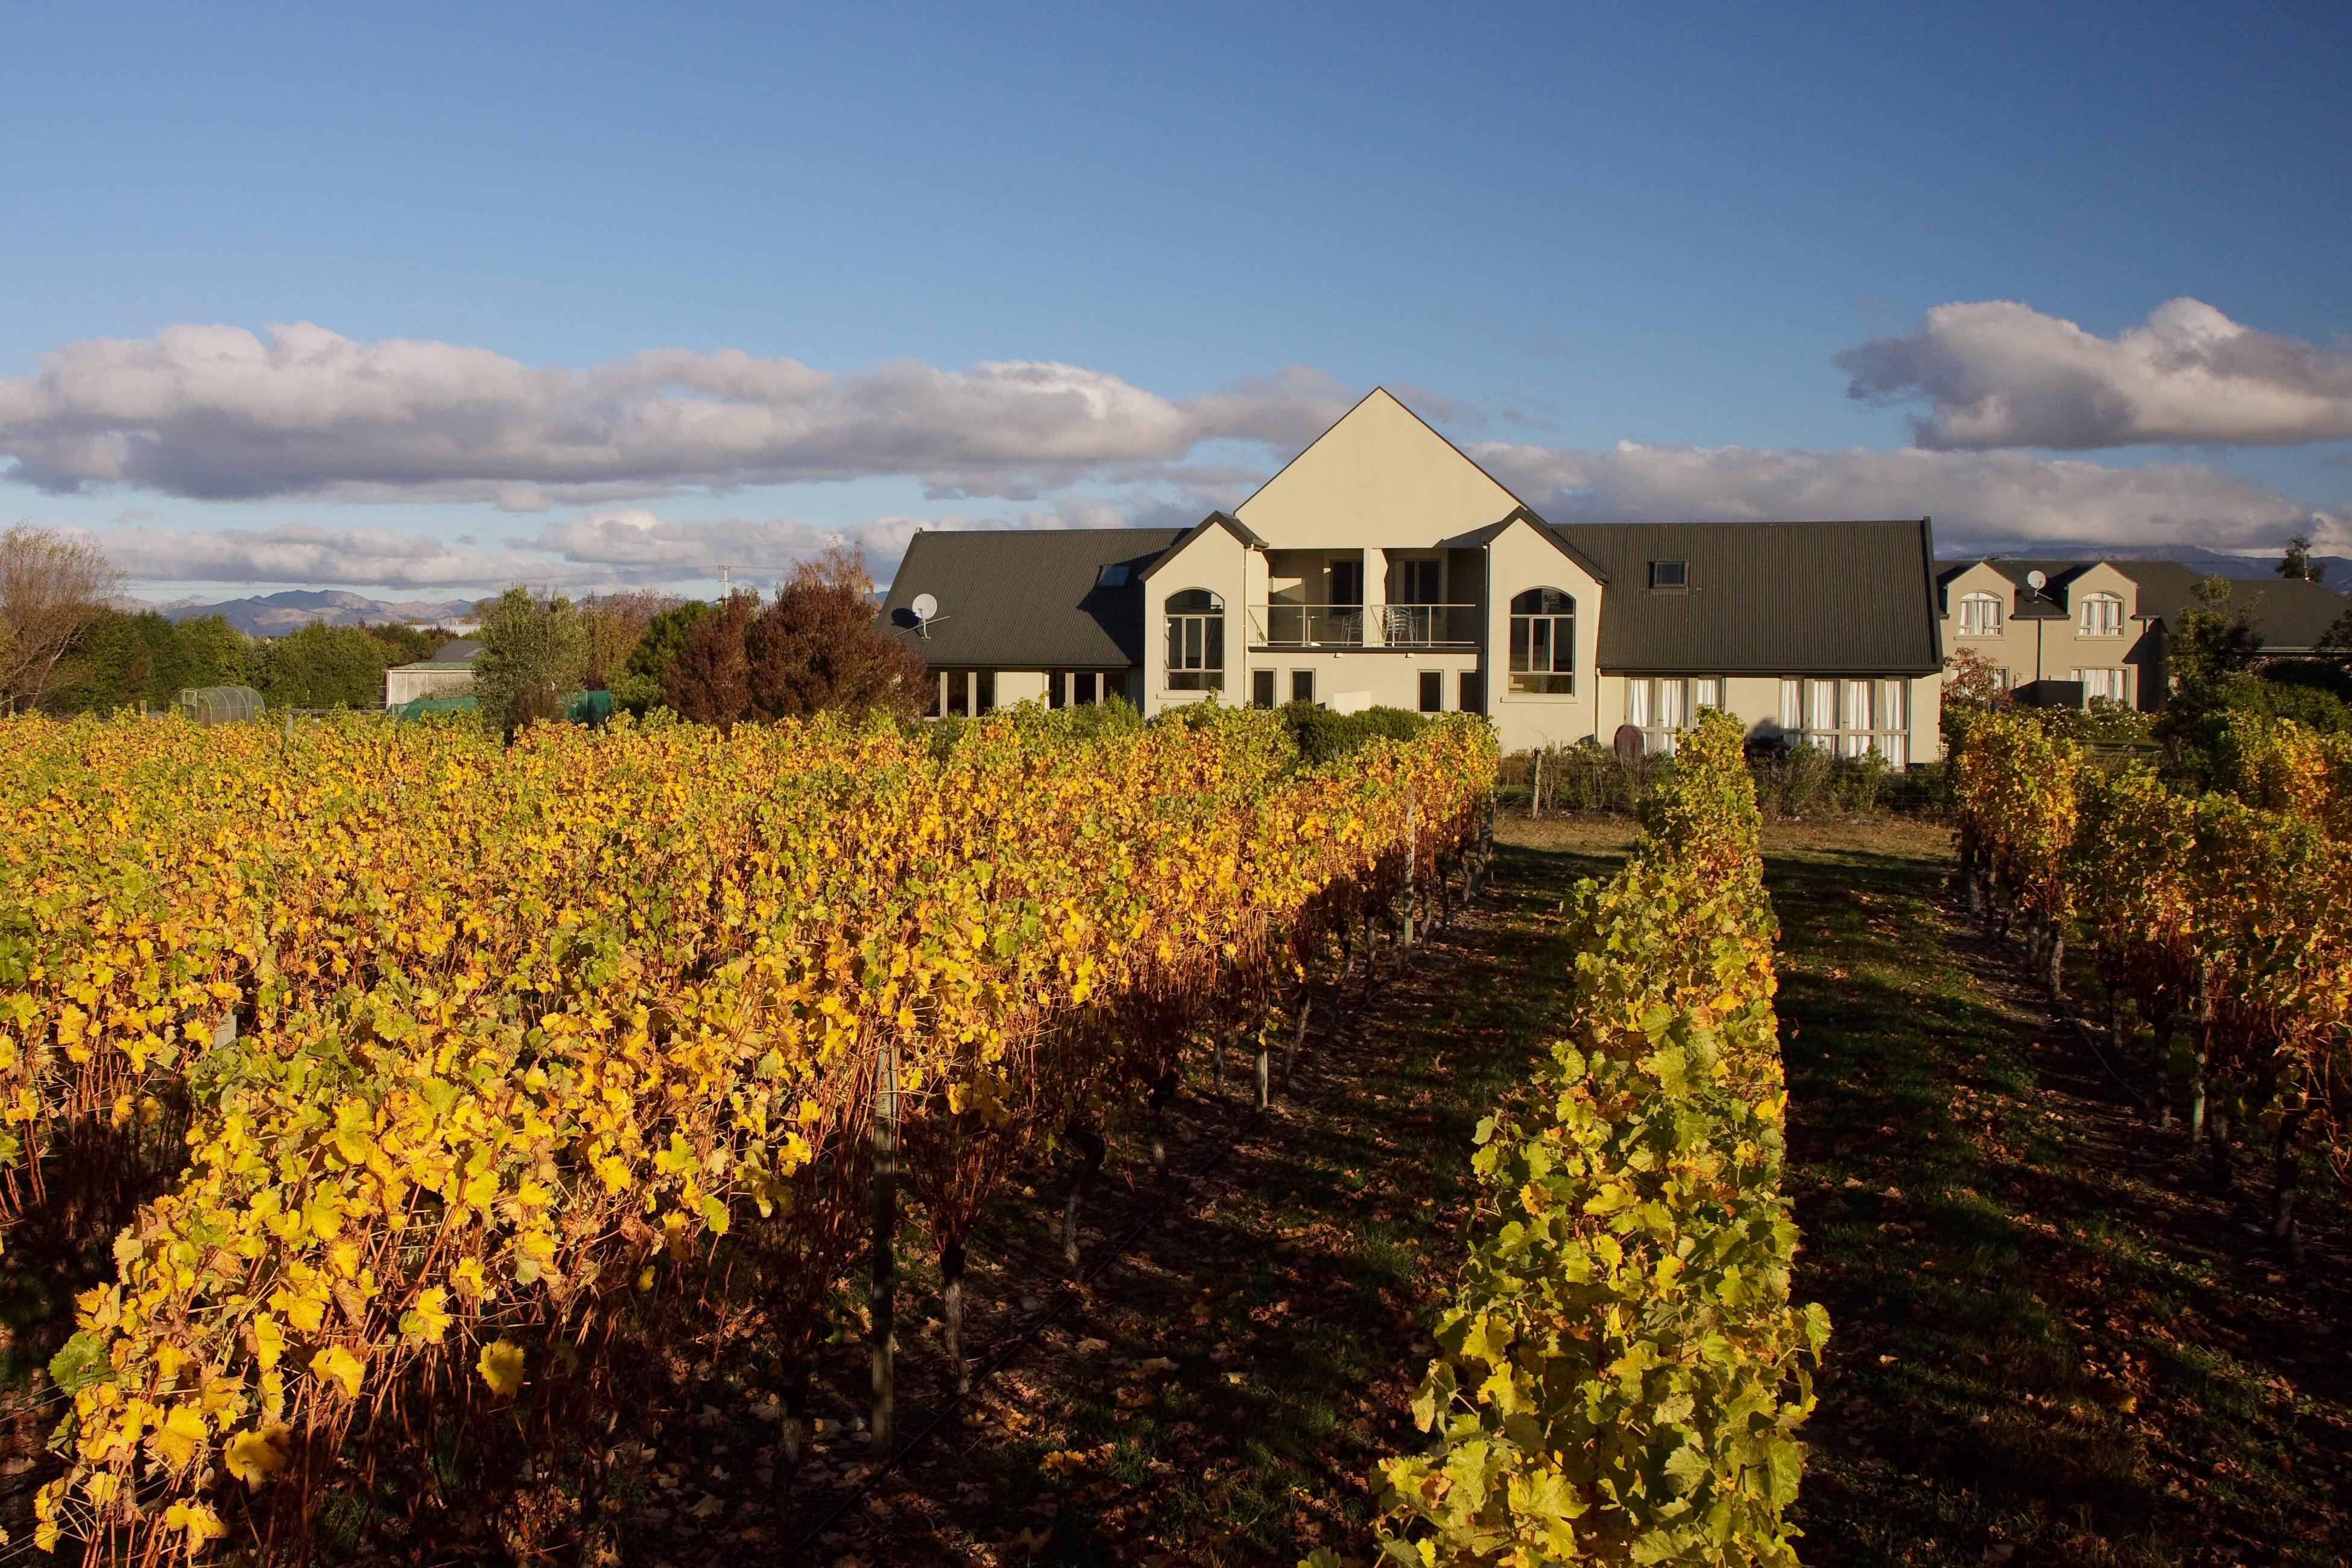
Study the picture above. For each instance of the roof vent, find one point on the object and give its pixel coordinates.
(1112, 576)
(1669, 574)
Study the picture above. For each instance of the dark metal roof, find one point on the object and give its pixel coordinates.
(2291, 613)
(1768, 598)
(1026, 598)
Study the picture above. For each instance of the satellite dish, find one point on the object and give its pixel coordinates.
(924, 606)
(2033, 580)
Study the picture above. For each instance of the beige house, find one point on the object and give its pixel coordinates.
(1383, 566)
(2096, 629)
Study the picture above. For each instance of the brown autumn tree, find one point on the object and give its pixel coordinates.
(53, 589)
(615, 623)
(710, 681)
(815, 648)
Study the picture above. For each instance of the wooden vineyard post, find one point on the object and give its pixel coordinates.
(1298, 1035)
(1261, 1073)
(884, 1184)
(1535, 790)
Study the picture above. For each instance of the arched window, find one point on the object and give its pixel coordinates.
(1543, 642)
(2102, 615)
(1979, 616)
(1196, 641)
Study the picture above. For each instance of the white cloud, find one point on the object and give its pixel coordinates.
(1978, 500)
(1997, 373)
(616, 547)
(219, 412)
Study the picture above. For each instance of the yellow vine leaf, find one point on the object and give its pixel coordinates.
(501, 1366)
(255, 1457)
(336, 1365)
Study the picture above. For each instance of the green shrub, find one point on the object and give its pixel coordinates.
(1321, 735)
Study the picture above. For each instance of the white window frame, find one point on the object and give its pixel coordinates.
(1195, 633)
(1557, 675)
(1847, 716)
(1666, 707)
(2100, 615)
(1981, 615)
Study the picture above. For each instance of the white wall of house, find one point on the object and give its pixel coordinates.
(1378, 479)
(1519, 559)
(1216, 560)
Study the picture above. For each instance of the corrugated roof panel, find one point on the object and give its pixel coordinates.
(1028, 598)
(1787, 598)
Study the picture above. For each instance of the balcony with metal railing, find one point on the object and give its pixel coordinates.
(1353, 625)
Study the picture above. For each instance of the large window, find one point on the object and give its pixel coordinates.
(1543, 642)
(1979, 616)
(1851, 718)
(1196, 641)
(2101, 615)
(1663, 707)
(2112, 684)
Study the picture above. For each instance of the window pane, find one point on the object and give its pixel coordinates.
(1474, 693)
(1706, 692)
(1791, 710)
(1563, 642)
(1192, 643)
(1175, 642)
(1539, 643)
(1637, 704)
(1216, 650)
(1890, 705)
(1432, 691)
(1821, 705)
(1897, 750)
(1857, 705)
(1670, 705)
(1520, 635)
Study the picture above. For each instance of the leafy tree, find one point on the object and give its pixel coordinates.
(2217, 638)
(410, 645)
(616, 622)
(53, 589)
(1973, 688)
(710, 681)
(126, 660)
(322, 667)
(534, 653)
(637, 686)
(815, 648)
(2297, 562)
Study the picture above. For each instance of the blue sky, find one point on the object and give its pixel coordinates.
(1553, 229)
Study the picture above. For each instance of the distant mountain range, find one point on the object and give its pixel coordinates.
(274, 615)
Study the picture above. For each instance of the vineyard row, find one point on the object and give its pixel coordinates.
(466, 1079)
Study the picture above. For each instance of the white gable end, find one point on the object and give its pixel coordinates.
(1379, 479)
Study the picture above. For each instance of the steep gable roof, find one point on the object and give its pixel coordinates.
(1027, 598)
(1224, 519)
(1559, 540)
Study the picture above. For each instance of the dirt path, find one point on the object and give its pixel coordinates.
(1220, 1394)
(2054, 1340)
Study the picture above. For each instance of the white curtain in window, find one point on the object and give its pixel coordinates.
(1792, 713)
(1706, 692)
(1670, 705)
(1637, 704)
(1857, 705)
(1896, 748)
(1890, 706)
(1821, 705)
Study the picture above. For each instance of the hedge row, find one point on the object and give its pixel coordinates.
(1623, 1374)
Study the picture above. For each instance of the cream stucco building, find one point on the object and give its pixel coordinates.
(1383, 566)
